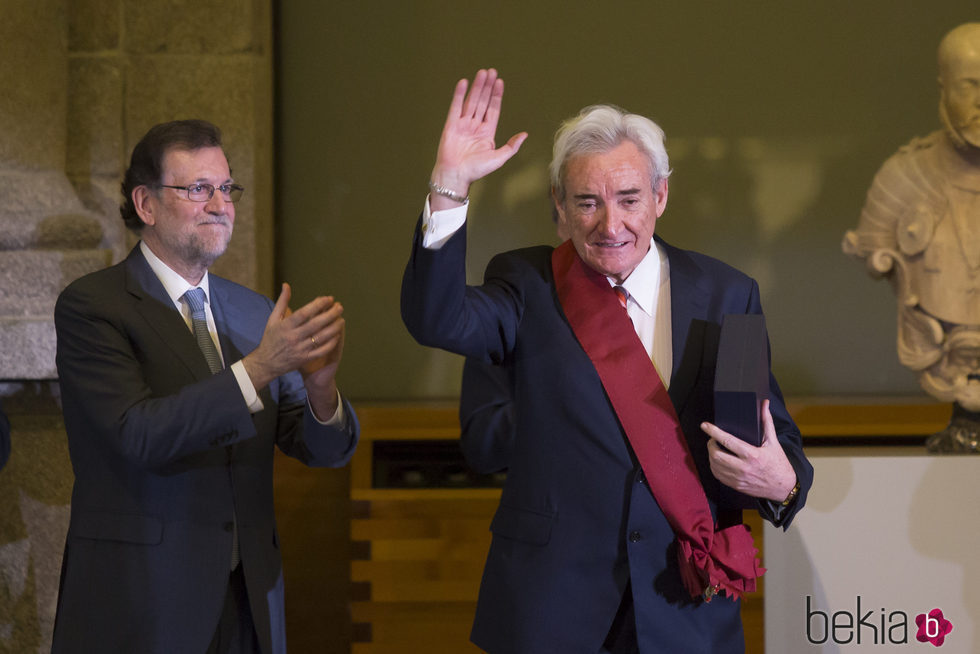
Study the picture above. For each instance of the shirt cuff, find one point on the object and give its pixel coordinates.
(252, 399)
(777, 509)
(338, 416)
(439, 226)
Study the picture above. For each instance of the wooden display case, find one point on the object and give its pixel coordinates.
(417, 552)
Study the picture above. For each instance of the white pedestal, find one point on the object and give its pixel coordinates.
(902, 533)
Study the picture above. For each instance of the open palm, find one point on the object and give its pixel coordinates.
(467, 148)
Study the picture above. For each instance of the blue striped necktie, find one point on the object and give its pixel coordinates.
(195, 300)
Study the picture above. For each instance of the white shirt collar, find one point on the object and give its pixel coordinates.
(643, 284)
(173, 283)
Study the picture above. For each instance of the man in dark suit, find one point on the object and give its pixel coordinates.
(176, 387)
(609, 536)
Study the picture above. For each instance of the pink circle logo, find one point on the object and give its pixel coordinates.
(933, 627)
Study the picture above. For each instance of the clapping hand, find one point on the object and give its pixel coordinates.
(310, 340)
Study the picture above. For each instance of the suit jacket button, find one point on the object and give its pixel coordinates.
(641, 478)
(635, 536)
(228, 526)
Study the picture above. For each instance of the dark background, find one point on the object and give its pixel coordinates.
(777, 117)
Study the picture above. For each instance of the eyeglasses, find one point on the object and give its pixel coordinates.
(204, 192)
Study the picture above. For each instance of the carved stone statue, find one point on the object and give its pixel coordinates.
(920, 228)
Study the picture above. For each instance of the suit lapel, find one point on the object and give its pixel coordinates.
(225, 314)
(230, 319)
(688, 302)
(159, 312)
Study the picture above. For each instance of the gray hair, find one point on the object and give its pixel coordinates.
(600, 128)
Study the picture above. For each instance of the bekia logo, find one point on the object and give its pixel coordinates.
(873, 626)
(933, 627)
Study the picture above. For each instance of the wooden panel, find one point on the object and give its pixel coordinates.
(870, 419)
(400, 571)
(314, 529)
(360, 466)
(753, 613)
(409, 528)
(752, 603)
(438, 503)
(380, 421)
(425, 547)
(439, 549)
(433, 628)
(424, 592)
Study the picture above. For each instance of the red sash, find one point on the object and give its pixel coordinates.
(709, 560)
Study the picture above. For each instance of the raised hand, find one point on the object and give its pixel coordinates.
(467, 148)
(762, 471)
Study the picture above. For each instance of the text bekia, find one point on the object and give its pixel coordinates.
(881, 627)
(843, 627)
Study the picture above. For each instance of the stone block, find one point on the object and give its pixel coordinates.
(101, 196)
(43, 191)
(30, 280)
(95, 113)
(33, 76)
(220, 89)
(214, 27)
(29, 230)
(42, 210)
(94, 25)
(27, 348)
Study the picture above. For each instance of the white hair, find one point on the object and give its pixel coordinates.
(600, 128)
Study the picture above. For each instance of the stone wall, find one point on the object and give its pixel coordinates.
(82, 81)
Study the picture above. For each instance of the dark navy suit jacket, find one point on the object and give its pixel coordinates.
(164, 455)
(486, 416)
(576, 521)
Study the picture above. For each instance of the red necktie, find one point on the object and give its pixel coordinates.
(621, 294)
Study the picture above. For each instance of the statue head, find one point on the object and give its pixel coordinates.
(959, 84)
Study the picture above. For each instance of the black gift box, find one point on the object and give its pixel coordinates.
(741, 384)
